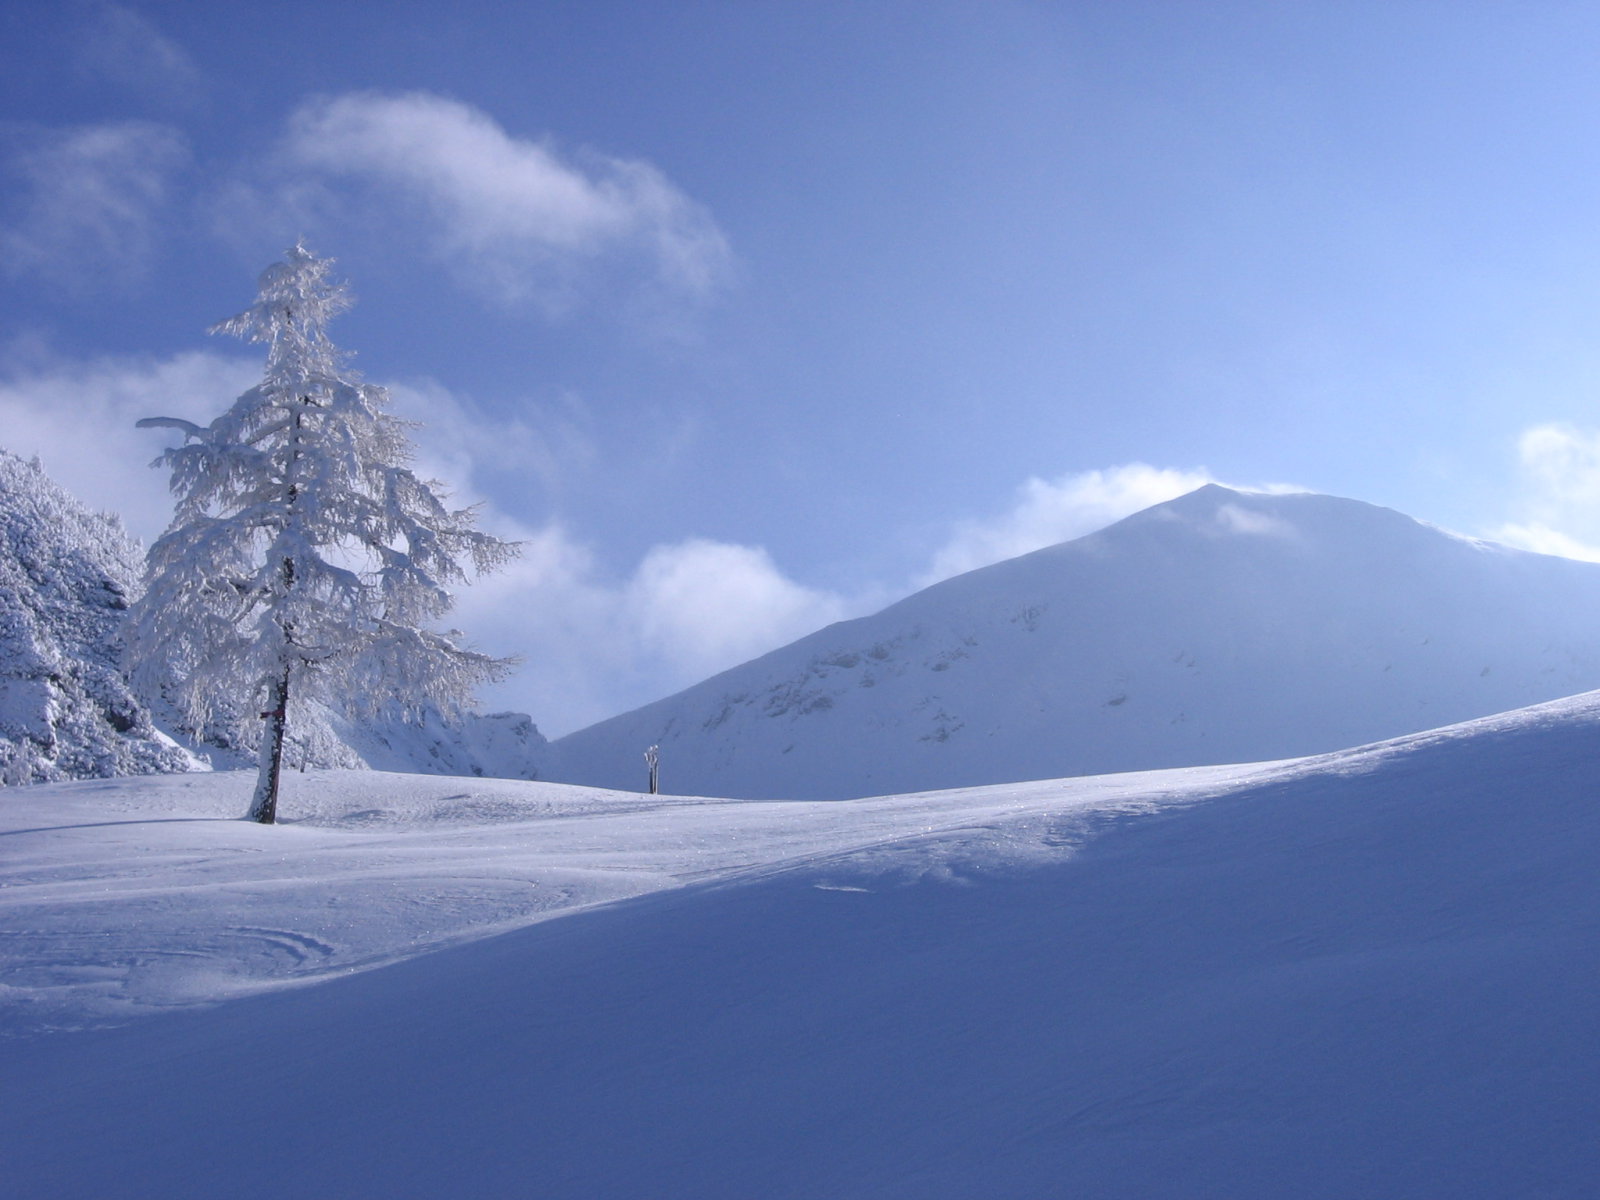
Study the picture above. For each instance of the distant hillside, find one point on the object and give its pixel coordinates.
(66, 577)
(1218, 627)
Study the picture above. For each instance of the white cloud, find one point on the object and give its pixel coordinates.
(1047, 512)
(592, 647)
(510, 214)
(1561, 477)
(704, 606)
(1563, 464)
(547, 608)
(1541, 539)
(89, 200)
(79, 419)
(594, 644)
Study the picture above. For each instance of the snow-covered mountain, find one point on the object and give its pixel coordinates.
(1219, 627)
(66, 578)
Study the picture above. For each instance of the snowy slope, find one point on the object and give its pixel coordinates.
(66, 577)
(112, 881)
(1370, 974)
(1219, 627)
(504, 745)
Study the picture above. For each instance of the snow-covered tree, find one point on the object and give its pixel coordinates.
(66, 577)
(305, 559)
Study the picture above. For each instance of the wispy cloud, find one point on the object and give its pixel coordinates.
(510, 214)
(552, 441)
(88, 201)
(124, 47)
(1049, 511)
(595, 641)
(550, 607)
(1561, 505)
(1542, 539)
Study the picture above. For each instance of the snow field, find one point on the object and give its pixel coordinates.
(1368, 974)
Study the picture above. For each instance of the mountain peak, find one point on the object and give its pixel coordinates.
(1221, 626)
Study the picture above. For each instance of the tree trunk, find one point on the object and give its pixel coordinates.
(264, 805)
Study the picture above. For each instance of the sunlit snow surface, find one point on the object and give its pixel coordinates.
(121, 896)
(1371, 974)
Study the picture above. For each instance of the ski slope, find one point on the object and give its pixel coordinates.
(1370, 973)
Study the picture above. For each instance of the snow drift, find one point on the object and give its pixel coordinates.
(1218, 627)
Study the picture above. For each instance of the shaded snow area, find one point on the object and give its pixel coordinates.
(67, 576)
(1370, 974)
(505, 745)
(1219, 627)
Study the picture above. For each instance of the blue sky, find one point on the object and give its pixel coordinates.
(746, 317)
